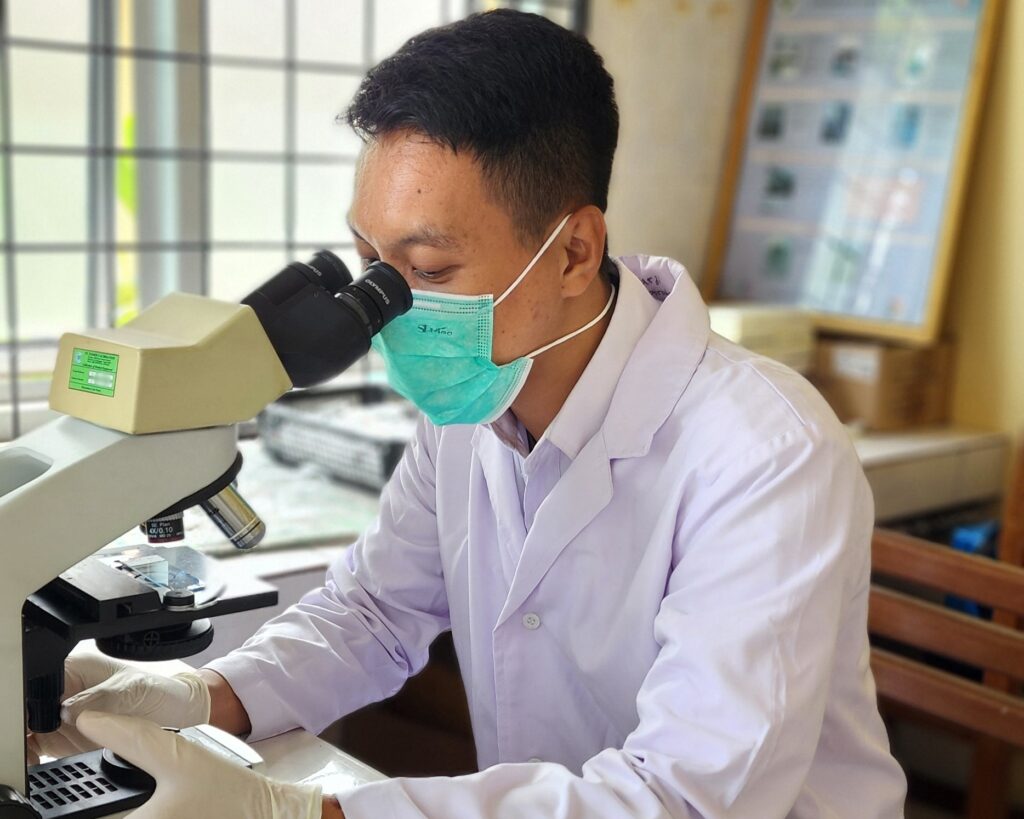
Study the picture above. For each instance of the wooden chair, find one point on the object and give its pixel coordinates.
(992, 757)
(988, 710)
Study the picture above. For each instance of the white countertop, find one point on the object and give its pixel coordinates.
(877, 448)
(921, 472)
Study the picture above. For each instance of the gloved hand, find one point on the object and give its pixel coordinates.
(192, 781)
(99, 683)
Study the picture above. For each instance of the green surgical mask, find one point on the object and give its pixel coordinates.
(438, 354)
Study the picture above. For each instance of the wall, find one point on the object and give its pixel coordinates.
(986, 306)
(675, 64)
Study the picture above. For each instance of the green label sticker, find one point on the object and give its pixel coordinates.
(93, 372)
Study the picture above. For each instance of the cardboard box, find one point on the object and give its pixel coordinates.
(783, 333)
(883, 386)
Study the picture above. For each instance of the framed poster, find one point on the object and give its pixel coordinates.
(847, 163)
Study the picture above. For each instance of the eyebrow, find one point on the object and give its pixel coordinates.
(425, 235)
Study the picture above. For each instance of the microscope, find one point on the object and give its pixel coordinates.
(147, 431)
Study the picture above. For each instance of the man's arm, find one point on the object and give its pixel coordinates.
(228, 714)
(226, 710)
(359, 637)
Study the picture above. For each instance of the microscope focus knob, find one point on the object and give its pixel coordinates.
(123, 773)
(42, 702)
(165, 643)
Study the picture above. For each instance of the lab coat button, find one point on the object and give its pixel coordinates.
(531, 621)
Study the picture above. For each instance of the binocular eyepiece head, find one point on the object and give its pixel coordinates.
(320, 320)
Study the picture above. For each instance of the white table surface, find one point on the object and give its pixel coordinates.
(877, 448)
(922, 471)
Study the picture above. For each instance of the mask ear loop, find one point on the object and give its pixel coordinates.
(529, 267)
(575, 333)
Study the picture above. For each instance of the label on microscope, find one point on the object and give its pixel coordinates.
(93, 372)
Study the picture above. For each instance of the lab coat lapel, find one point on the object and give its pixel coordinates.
(663, 362)
(656, 374)
(503, 493)
(578, 497)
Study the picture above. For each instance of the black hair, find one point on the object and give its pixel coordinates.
(531, 101)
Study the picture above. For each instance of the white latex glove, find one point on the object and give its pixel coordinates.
(192, 781)
(100, 683)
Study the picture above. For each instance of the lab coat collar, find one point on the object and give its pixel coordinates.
(662, 362)
(508, 430)
(584, 411)
(640, 355)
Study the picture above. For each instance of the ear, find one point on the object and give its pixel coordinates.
(584, 240)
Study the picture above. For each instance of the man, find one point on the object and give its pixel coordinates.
(650, 545)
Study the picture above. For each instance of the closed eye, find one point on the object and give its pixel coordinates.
(430, 275)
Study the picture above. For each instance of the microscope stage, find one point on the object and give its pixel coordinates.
(97, 599)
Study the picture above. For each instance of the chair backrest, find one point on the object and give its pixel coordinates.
(1011, 538)
(931, 627)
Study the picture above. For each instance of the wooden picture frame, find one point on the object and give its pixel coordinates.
(924, 326)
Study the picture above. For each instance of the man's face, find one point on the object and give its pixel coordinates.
(424, 210)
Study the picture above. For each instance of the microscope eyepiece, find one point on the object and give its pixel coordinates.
(381, 294)
(332, 271)
(319, 320)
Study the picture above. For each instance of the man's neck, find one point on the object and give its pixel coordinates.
(555, 373)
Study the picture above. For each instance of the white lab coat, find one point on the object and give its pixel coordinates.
(682, 630)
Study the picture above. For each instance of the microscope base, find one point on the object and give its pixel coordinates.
(81, 786)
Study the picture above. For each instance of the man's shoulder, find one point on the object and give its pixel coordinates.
(742, 401)
(735, 402)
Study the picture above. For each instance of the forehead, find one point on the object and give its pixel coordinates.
(405, 179)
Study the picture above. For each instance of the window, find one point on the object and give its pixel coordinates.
(151, 146)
